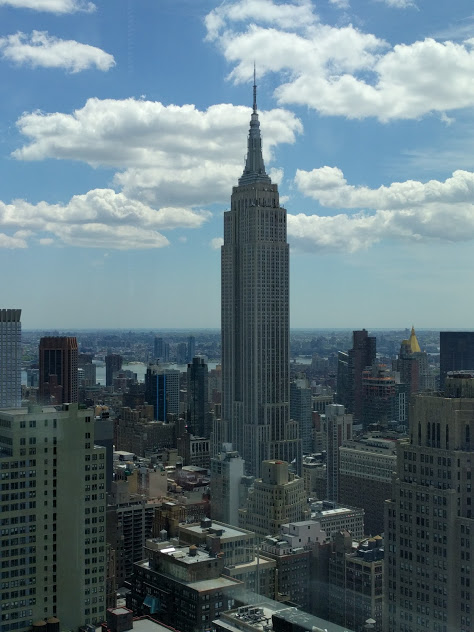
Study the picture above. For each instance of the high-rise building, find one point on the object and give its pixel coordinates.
(255, 317)
(227, 470)
(301, 412)
(349, 374)
(162, 391)
(429, 523)
(275, 499)
(339, 429)
(355, 582)
(384, 398)
(412, 365)
(113, 363)
(58, 369)
(456, 353)
(161, 350)
(198, 420)
(10, 358)
(52, 511)
(191, 348)
(366, 465)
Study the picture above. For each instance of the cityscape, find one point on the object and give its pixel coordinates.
(269, 428)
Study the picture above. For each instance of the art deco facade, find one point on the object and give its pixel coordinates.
(255, 317)
(10, 358)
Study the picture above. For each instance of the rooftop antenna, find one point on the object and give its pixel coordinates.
(254, 89)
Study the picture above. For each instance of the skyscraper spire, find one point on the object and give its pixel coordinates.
(254, 89)
(254, 170)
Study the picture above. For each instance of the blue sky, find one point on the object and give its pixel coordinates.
(123, 129)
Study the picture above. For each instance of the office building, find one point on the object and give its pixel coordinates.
(181, 586)
(339, 429)
(191, 348)
(58, 369)
(429, 524)
(256, 614)
(227, 471)
(10, 358)
(384, 397)
(162, 391)
(355, 582)
(242, 559)
(349, 373)
(456, 353)
(161, 350)
(366, 467)
(52, 510)
(301, 412)
(198, 420)
(129, 524)
(275, 499)
(181, 353)
(334, 518)
(113, 364)
(255, 317)
(413, 366)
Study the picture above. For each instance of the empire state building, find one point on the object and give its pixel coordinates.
(255, 317)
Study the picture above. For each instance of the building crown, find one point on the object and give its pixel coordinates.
(254, 170)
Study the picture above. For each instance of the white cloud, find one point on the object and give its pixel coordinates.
(168, 155)
(51, 6)
(343, 71)
(286, 15)
(104, 236)
(43, 50)
(216, 243)
(409, 211)
(330, 188)
(12, 241)
(100, 218)
(399, 4)
(340, 4)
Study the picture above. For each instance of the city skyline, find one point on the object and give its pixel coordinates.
(124, 130)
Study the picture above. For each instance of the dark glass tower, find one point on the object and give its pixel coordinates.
(58, 369)
(456, 353)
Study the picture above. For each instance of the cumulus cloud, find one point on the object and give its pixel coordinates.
(12, 241)
(166, 155)
(285, 15)
(100, 218)
(330, 188)
(398, 4)
(43, 50)
(51, 6)
(216, 243)
(340, 4)
(411, 211)
(342, 70)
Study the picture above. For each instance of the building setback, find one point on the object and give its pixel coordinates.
(255, 317)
